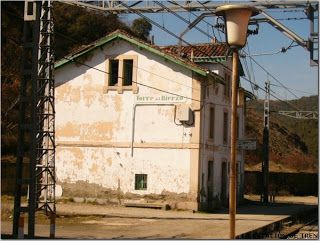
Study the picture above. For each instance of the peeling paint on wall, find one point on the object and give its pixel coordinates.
(68, 130)
(86, 115)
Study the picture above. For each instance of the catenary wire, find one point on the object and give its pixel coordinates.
(157, 88)
(151, 87)
(184, 40)
(159, 26)
(152, 73)
(174, 2)
(285, 102)
(181, 18)
(251, 58)
(169, 92)
(272, 76)
(145, 85)
(302, 91)
(153, 22)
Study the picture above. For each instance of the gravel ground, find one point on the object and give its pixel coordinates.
(89, 221)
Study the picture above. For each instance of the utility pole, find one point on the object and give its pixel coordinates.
(37, 96)
(265, 151)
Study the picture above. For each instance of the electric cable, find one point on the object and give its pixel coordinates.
(171, 33)
(220, 39)
(174, 2)
(272, 76)
(168, 92)
(152, 73)
(181, 18)
(302, 91)
(145, 85)
(159, 26)
(252, 70)
(243, 50)
(282, 50)
(285, 102)
(156, 24)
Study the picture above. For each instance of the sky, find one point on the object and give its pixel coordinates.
(292, 68)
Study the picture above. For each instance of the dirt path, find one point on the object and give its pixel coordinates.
(88, 221)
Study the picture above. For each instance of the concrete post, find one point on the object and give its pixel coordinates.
(233, 171)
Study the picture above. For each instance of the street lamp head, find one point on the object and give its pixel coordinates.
(236, 22)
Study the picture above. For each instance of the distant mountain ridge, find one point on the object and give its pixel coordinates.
(293, 142)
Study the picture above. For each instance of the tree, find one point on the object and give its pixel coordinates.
(76, 26)
(141, 28)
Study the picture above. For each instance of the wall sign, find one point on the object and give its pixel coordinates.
(247, 144)
(160, 99)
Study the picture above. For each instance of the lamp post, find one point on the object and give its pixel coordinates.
(236, 26)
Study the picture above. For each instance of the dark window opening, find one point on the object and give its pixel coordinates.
(113, 72)
(238, 127)
(140, 182)
(227, 86)
(30, 8)
(127, 72)
(210, 171)
(225, 128)
(211, 125)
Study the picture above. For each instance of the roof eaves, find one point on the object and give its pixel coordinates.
(217, 59)
(71, 57)
(119, 34)
(166, 55)
(216, 78)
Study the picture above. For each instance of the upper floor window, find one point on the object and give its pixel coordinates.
(113, 72)
(121, 73)
(127, 72)
(225, 128)
(238, 128)
(227, 86)
(211, 123)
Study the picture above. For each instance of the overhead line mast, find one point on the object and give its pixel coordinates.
(208, 8)
(183, 6)
(36, 92)
(38, 76)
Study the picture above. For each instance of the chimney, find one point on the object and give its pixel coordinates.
(214, 40)
(191, 55)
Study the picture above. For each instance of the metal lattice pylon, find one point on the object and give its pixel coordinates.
(46, 114)
(37, 96)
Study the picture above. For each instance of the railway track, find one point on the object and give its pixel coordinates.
(297, 229)
(309, 230)
(303, 225)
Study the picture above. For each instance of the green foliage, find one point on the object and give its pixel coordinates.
(141, 28)
(11, 40)
(76, 26)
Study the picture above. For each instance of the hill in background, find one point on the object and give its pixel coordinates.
(293, 142)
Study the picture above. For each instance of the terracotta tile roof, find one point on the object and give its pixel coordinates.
(209, 50)
(175, 57)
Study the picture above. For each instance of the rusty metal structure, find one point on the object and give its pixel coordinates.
(37, 96)
(37, 114)
(208, 8)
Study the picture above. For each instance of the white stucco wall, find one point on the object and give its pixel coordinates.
(215, 150)
(94, 129)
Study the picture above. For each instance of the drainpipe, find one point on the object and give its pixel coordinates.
(134, 119)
